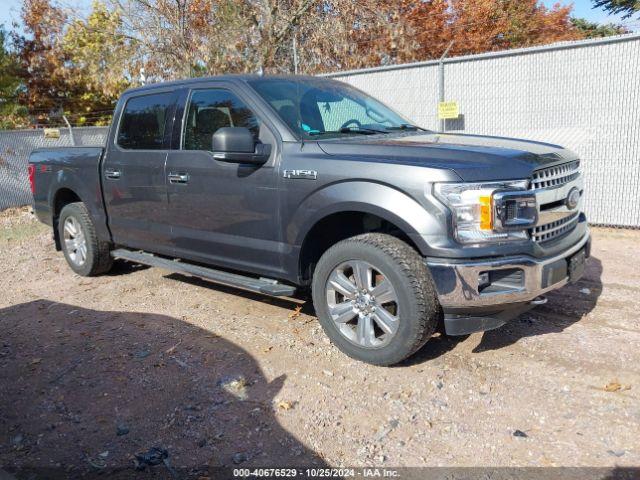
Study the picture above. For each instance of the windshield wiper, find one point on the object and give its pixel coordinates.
(407, 126)
(358, 130)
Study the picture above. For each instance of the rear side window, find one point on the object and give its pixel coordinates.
(143, 122)
(209, 110)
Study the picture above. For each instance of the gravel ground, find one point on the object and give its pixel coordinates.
(95, 370)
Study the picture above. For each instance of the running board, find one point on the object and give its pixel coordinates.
(260, 285)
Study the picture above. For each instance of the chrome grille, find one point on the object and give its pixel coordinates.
(555, 176)
(553, 230)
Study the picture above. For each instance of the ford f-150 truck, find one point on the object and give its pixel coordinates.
(274, 184)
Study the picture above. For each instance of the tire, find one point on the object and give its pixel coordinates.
(407, 323)
(94, 259)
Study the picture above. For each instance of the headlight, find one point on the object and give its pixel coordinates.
(481, 216)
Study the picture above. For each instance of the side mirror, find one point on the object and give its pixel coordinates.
(237, 145)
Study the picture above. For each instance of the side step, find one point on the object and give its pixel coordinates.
(260, 285)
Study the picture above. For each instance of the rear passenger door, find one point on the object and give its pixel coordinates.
(223, 213)
(133, 172)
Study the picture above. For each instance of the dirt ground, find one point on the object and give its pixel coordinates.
(95, 370)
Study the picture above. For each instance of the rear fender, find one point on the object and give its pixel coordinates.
(75, 169)
(89, 194)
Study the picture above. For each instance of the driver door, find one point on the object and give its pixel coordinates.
(223, 213)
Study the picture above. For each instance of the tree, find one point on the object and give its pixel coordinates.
(347, 34)
(398, 31)
(99, 61)
(166, 34)
(181, 38)
(12, 115)
(598, 30)
(626, 8)
(486, 25)
(73, 67)
(409, 30)
(41, 61)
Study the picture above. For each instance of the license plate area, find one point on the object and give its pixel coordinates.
(576, 266)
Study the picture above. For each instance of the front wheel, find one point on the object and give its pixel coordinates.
(84, 252)
(375, 298)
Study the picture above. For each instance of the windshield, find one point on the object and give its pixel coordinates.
(321, 108)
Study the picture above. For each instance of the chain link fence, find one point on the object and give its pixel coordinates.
(15, 147)
(582, 95)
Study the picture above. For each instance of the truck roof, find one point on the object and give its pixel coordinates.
(231, 78)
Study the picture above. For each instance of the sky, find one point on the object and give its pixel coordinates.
(584, 9)
(10, 10)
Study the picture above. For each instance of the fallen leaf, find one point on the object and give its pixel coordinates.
(36, 361)
(284, 405)
(296, 312)
(615, 386)
(268, 349)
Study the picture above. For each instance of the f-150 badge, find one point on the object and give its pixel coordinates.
(301, 174)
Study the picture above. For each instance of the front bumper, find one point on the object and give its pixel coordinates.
(515, 285)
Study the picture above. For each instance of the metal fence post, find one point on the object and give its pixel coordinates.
(73, 140)
(441, 80)
(295, 54)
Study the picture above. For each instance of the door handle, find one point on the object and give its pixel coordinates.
(111, 173)
(178, 177)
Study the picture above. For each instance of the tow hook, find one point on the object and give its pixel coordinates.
(539, 300)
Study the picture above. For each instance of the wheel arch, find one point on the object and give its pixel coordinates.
(62, 197)
(70, 185)
(375, 208)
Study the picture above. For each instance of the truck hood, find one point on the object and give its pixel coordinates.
(472, 157)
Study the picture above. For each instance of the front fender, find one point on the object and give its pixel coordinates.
(381, 200)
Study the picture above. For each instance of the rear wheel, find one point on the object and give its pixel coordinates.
(375, 298)
(84, 252)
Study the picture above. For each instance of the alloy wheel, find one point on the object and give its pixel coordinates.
(75, 241)
(363, 304)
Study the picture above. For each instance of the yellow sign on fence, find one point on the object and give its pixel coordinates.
(447, 110)
(51, 133)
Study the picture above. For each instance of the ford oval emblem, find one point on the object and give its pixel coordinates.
(573, 198)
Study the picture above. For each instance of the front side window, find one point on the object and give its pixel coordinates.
(209, 110)
(143, 122)
(324, 108)
(347, 112)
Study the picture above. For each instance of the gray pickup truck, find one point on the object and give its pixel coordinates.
(277, 184)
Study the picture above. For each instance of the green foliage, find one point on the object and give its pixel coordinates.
(12, 115)
(75, 67)
(627, 8)
(41, 63)
(98, 54)
(598, 30)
